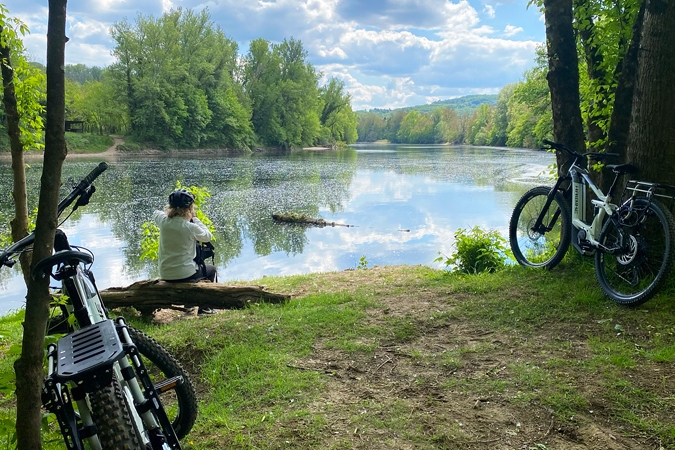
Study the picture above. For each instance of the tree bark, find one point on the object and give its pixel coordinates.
(651, 143)
(28, 368)
(563, 77)
(20, 222)
(150, 295)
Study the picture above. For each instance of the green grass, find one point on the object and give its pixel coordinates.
(87, 143)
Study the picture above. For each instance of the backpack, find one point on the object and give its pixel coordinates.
(204, 251)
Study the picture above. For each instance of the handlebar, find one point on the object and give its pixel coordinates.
(577, 155)
(80, 189)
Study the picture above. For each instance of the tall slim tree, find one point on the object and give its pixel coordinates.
(20, 222)
(29, 371)
(563, 76)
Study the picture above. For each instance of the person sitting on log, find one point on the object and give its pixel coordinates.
(179, 228)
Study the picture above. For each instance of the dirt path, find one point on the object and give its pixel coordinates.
(110, 154)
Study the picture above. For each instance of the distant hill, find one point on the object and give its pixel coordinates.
(462, 105)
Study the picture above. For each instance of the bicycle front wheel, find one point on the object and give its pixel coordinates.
(643, 258)
(110, 412)
(546, 246)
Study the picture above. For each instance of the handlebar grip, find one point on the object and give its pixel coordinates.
(93, 175)
(547, 142)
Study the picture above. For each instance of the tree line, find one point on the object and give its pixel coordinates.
(521, 118)
(179, 82)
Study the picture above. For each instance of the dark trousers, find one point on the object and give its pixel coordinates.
(199, 275)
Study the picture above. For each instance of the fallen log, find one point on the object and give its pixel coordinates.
(293, 217)
(150, 295)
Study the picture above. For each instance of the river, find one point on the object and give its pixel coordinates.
(405, 203)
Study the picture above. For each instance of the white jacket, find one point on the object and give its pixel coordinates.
(177, 247)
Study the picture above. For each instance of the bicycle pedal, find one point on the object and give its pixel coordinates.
(167, 385)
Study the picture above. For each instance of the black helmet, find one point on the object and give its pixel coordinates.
(181, 198)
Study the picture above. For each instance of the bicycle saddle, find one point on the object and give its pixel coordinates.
(622, 168)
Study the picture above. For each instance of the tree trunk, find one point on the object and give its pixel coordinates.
(651, 143)
(563, 77)
(20, 222)
(594, 68)
(150, 295)
(29, 371)
(619, 124)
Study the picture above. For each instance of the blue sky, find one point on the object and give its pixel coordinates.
(389, 53)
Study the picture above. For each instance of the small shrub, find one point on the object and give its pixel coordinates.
(477, 251)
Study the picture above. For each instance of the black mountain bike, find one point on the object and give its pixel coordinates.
(632, 240)
(107, 383)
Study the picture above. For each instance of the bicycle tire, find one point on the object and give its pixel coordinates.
(535, 249)
(109, 409)
(185, 397)
(636, 275)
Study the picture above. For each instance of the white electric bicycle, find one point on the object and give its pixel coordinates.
(632, 239)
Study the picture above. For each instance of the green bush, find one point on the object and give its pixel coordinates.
(477, 251)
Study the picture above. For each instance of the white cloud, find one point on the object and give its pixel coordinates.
(510, 30)
(489, 10)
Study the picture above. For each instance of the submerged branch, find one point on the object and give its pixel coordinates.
(293, 217)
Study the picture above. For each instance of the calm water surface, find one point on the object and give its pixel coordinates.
(405, 203)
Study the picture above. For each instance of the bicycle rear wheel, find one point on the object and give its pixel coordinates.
(637, 272)
(546, 247)
(180, 404)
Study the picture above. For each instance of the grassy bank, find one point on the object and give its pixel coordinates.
(409, 357)
(87, 143)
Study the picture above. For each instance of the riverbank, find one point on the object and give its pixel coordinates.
(114, 152)
(409, 357)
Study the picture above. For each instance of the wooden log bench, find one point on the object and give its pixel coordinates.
(148, 296)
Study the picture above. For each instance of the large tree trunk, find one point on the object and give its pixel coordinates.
(20, 222)
(651, 144)
(563, 77)
(29, 371)
(150, 295)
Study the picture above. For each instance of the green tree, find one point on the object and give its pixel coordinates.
(337, 116)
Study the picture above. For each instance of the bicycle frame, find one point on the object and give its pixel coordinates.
(581, 231)
(603, 204)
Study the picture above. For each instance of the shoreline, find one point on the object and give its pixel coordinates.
(113, 154)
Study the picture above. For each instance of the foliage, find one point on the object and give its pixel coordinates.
(150, 232)
(477, 251)
(363, 263)
(6, 234)
(29, 83)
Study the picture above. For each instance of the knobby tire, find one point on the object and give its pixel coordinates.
(638, 273)
(185, 394)
(111, 415)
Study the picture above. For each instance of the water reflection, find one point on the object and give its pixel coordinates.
(406, 202)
